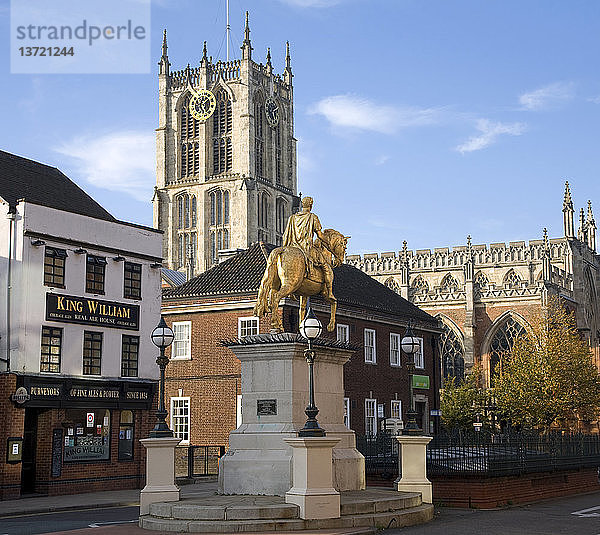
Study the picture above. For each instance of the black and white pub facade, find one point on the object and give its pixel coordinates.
(81, 294)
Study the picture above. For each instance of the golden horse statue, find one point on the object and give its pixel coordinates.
(286, 274)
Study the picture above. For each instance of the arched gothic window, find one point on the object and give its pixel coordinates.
(189, 130)
(264, 207)
(222, 127)
(480, 282)
(278, 164)
(449, 283)
(512, 279)
(219, 223)
(393, 285)
(419, 286)
(186, 225)
(281, 219)
(503, 341)
(259, 143)
(451, 353)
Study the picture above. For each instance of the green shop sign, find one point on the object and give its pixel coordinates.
(420, 381)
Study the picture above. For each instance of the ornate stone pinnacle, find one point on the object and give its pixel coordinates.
(269, 56)
(204, 52)
(568, 202)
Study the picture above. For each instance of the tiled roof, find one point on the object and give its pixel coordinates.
(242, 274)
(174, 278)
(41, 184)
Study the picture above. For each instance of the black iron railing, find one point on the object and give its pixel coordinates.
(197, 461)
(486, 454)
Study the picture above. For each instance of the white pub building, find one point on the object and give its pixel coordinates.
(80, 295)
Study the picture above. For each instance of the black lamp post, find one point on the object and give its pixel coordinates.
(162, 337)
(410, 345)
(311, 328)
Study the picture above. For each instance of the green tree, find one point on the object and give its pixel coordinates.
(549, 376)
(461, 400)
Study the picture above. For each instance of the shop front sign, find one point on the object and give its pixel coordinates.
(90, 311)
(61, 393)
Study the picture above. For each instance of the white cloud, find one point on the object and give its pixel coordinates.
(349, 111)
(595, 100)
(119, 161)
(380, 160)
(489, 134)
(312, 3)
(547, 96)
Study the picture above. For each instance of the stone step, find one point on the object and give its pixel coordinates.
(382, 520)
(274, 508)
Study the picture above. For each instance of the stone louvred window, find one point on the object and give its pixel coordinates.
(259, 143)
(189, 131)
(219, 223)
(222, 127)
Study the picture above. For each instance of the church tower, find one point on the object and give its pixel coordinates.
(225, 156)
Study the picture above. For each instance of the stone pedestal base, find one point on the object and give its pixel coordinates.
(312, 489)
(160, 472)
(414, 466)
(275, 375)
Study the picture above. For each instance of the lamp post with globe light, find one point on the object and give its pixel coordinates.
(162, 337)
(311, 328)
(410, 345)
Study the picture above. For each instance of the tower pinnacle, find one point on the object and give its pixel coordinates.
(164, 64)
(568, 213)
(591, 228)
(246, 45)
(204, 61)
(287, 73)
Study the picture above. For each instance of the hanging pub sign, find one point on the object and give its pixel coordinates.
(90, 311)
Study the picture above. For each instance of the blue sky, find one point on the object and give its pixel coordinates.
(418, 120)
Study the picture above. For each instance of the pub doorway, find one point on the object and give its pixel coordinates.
(29, 450)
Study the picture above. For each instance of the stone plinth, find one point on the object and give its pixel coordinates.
(274, 396)
(312, 489)
(414, 466)
(160, 472)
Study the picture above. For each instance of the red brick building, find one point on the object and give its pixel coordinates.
(203, 377)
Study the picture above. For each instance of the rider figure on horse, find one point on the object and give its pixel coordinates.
(299, 233)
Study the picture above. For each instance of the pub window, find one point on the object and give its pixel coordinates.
(133, 281)
(180, 419)
(126, 436)
(347, 412)
(247, 326)
(54, 267)
(92, 353)
(94, 274)
(419, 357)
(87, 435)
(129, 355)
(51, 349)
(396, 409)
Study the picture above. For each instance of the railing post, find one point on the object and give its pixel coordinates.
(190, 461)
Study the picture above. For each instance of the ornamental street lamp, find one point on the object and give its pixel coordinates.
(162, 337)
(410, 345)
(311, 328)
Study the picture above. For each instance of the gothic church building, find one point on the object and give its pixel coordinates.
(226, 157)
(484, 295)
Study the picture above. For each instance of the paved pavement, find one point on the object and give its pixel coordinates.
(114, 513)
(93, 500)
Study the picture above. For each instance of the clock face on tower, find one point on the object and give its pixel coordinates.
(272, 112)
(202, 105)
